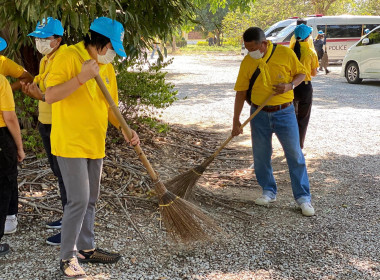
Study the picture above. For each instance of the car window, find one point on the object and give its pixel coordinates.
(286, 31)
(276, 30)
(341, 31)
(374, 38)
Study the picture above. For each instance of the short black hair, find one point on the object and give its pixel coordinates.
(254, 34)
(95, 39)
(301, 21)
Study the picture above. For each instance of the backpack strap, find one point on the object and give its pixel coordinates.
(254, 77)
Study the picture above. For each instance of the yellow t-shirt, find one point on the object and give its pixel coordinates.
(309, 41)
(6, 99)
(80, 121)
(282, 67)
(44, 109)
(309, 59)
(10, 68)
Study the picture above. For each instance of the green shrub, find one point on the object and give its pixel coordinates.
(143, 91)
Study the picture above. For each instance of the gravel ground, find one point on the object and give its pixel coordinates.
(343, 157)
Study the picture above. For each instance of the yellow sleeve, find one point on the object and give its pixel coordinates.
(314, 60)
(62, 70)
(7, 102)
(242, 81)
(10, 68)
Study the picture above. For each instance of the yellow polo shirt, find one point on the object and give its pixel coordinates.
(282, 67)
(10, 68)
(44, 109)
(6, 99)
(79, 121)
(309, 59)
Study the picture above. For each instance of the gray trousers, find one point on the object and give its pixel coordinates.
(81, 177)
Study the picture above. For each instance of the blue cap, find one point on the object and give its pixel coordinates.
(366, 31)
(302, 31)
(48, 28)
(111, 29)
(3, 44)
(321, 32)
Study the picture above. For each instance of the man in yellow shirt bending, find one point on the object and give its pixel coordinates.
(279, 75)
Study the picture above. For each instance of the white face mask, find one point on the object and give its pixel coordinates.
(108, 57)
(256, 54)
(43, 46)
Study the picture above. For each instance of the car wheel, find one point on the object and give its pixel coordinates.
(352, 73)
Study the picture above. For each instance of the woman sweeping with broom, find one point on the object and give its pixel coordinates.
(79, 124)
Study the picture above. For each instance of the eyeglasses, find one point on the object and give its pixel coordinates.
(44, 40)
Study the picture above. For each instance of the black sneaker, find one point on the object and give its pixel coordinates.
(98, 256)
(71, 269)
(55, 224)
(4, 249)
(54, 240)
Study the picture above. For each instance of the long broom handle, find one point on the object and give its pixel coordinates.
(243, 125)
(126, 128)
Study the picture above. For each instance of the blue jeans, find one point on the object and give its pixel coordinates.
(284, 124)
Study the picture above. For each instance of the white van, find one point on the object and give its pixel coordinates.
(362, 60)
(341, 32)
(273, 30)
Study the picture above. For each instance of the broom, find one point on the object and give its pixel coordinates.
(183, 184)
(325, 57)
(183, 220)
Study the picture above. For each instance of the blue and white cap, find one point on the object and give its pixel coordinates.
(48, 27)
(302, 31)
(111, 29)
(3, 44)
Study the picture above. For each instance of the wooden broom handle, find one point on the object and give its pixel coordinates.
(244, 124)
(126, 128)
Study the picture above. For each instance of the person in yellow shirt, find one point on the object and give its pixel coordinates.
(279, 75)
(48, 37)
(303, 93)
(9, 68)
(11, 152)
(80, 118)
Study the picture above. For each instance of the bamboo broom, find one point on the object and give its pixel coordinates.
(183, 220)
(183, 184)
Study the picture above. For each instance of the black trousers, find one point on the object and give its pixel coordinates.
(303, 98)
(8, 175)
(45, 130)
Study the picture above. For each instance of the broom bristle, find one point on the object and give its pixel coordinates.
(183, 184)
(185, 221)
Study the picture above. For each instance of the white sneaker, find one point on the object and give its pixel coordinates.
(10, 224)
(307, 209)
(264, 200)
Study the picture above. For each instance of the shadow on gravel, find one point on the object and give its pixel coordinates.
(194, 94)
(360, 96)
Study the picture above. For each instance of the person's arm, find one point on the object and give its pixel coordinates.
(10, 119)
(25, 77)
(90, 69)
(285, 87)
(239, 103)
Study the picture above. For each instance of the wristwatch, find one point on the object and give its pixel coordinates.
(43, 98)
(292, 85)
